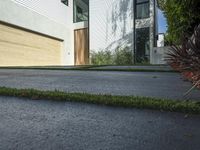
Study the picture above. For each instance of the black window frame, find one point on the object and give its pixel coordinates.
(65, 2)
(142, 3)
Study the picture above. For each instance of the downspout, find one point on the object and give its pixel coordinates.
(134, 28)
(89, 58)
(155, 23)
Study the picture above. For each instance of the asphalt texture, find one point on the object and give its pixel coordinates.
(50, 125)
(151, 84)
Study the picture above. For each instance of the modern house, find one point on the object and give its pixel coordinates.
(63, 32)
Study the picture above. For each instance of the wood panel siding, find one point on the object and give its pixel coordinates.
(22, 48)
(81, 46)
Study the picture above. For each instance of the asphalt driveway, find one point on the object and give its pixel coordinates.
(49, 125)
(152, 84)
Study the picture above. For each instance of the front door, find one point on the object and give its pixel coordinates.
(81, 46)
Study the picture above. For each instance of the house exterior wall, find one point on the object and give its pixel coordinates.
(159, 55)
(30, 14)
(52, 9)
(161, 40)
(112, 25)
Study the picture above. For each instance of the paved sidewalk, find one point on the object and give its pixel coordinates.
(159, 67)
(44, 125)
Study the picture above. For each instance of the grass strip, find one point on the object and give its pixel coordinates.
(121, 101)
(92, 69)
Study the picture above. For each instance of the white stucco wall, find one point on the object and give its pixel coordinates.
(111, 24)
(159, 55)
(161, 40)
(53, 9)
(33, 18)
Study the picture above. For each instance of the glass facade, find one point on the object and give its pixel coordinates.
(81, 10)
(142, 9)
(142, 45)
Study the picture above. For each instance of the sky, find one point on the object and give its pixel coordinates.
(162, 24)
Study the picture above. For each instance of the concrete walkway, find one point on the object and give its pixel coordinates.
(159, 67)
(152, 84)
(44, 125)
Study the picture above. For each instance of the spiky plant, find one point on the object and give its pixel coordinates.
(186, 58)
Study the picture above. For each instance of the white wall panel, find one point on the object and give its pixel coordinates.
(111, 24)
(53, 9)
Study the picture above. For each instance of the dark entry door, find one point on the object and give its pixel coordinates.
(142, 45)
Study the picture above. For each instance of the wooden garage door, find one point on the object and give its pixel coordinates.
(81, 46)
(23, 48)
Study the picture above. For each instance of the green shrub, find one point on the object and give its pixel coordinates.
(101, 58)
(182, 16)
(186, 58)
(121, 56)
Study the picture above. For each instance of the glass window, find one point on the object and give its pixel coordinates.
(142, 9)
(142, 45)
(66, 2)
(81, 10)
